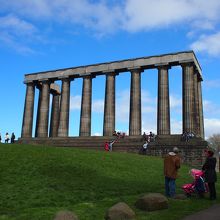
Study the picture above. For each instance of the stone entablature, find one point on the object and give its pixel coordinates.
(172, 59)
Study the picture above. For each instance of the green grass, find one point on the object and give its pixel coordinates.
(36, 182)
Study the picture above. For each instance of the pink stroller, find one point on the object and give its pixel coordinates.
(199, 187)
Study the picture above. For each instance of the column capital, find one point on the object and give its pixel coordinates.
(111, 73)
(163, 66)
(135, 69)
(29, 82)
(187, 63)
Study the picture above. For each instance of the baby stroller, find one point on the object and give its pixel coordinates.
(198, 187)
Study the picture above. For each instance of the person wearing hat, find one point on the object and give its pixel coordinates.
(171, 166)
(210, 173)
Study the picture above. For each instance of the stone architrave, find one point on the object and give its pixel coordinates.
(188, 99)
(44, 110)
(85, 117)
(135, 103)
(63, 129)
(28, 111)
(55, 114)
(201, 120)
(163, 102)
(109, 108)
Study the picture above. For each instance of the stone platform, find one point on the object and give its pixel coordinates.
(191, 151)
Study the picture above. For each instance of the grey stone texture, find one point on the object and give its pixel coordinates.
(152, 202)
(44, 110)
(55, 114)
(120, 211)
(135, 103)
(163, 102)
(196, 105)
(28, 111)
(66, 215)
(38, 111)
(109, 108)
(188, 97)
(63, 129)
(201, 119)
(85, 117)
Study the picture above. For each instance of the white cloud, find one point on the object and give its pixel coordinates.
(75, 102)
(208, 43)
(13, 24)
(210, 108)
(103, 17)
(131, 15)
(98, 106)
(212, 126)
(175, 102)
(148, 14)
(15, 31)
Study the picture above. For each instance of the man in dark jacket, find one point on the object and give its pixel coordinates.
(210, 173)
(171, 166)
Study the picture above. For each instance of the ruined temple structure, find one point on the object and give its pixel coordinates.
(57, 133)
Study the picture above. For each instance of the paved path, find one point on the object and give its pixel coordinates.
(212, 213)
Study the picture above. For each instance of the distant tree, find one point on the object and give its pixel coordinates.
(214, 141)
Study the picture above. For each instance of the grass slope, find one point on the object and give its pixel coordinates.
(36, 182)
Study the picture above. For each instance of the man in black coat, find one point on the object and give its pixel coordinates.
(210, 173)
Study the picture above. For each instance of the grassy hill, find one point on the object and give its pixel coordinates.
(36, 182)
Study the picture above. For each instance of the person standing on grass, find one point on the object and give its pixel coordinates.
(171, 166)
(0, 138)
(210, 173)
(7, 138)
(12, 138)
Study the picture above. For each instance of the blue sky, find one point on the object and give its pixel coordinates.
(40, 35)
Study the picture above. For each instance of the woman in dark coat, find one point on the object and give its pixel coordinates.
(210, 173)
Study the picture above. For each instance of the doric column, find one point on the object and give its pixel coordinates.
(28, 111)
(188, 99)
(196, 104)
(55, 114)
(109, 108)
(85, 117)
(63, 129)
(135, 103)
(38, 111)
(44, 110)
(163, 102)
(201, 120)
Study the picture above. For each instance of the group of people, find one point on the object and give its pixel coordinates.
(109, 144)
(172, 165)
(119, 134)
(186, 136)
(7, 138)
(147, 138)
